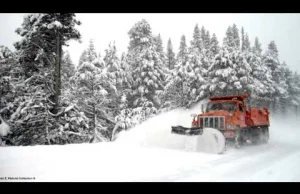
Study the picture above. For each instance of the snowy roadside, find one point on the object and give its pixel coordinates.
(149, 152)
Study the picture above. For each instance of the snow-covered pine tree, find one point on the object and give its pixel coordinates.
(183, 50)
(159, 44)
(293, 89)
(39, 53)
(263, 86)
(92, 97)
(148, 70)
(229, 73)
(67, 69)
(203, 37)
(236, 37)
(242, 39)
(197, 39)
(118, 74)
(32, 122)
(91, 54)
(272, 62)
(257, 47)
(207, 40)
(294, 93)
(177, 89)
(125, 114)
(247, 43)
(228, 40)
(195, 73)
(82, 57)
(162, 55)
(283, 89)
(171, 61)
(41, 46)
(214, 45)
(10, 73)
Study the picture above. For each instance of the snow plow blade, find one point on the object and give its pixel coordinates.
(180, 130)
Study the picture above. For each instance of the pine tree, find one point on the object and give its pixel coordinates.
(43, 35)
(176, 90)
(247, 45)
(292, 99)
(263, 86)
(119, 76)
(272, 62)
(257, 47)
(185, 84)
(160, 49)
(92, 87)
(90, 52)
(159, 44)
(148, 70)
(140, 34)
(182, 54)
(214, 48)
(271, 58)
(243, 39)
(170, 56)
(67, 69)
(83, 57)
(236, 37)
(229, 73)
(228, 40)
(207, 40)
(196, 42)
(203, 37)
(10, 74)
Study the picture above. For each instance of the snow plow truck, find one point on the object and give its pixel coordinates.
(233, 118)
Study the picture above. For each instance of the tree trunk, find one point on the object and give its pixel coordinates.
(114, 131)
(94, 125)
(169, 62)
(57, 73)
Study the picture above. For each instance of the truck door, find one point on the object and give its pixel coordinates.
(242, 115)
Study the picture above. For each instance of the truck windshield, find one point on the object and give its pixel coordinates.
(228, 106)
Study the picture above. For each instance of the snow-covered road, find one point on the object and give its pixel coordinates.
(149, 154)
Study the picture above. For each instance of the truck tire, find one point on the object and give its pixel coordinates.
(255, 136)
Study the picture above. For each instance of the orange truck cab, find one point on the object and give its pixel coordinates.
(234, 119)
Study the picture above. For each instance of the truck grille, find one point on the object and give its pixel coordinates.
(212, 122)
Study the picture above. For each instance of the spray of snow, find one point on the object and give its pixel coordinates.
(156, 132)
(284, 129)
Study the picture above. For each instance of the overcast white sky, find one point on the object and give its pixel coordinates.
(103, 28)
